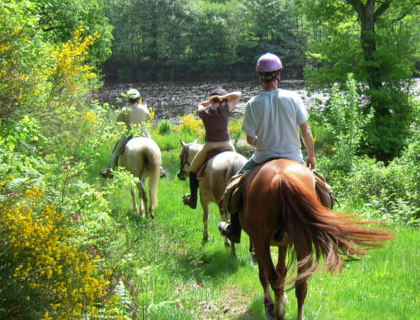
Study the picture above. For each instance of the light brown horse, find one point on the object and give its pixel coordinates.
(142, 157)
(281, 209)
(212, 185)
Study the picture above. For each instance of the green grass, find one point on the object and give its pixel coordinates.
(176, 276)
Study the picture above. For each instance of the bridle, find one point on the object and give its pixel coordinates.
(184, 158)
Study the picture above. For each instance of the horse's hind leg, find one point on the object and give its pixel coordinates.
(133, 195)
(252, 252)
(281, 297)
(205, 220)
(267, 274)
(153, 189)
(144, 211)
(301, 287)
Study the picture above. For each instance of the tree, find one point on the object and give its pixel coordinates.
(374, 40)
(59, 19)
(363, 36)
(273, 26)
(184, 38)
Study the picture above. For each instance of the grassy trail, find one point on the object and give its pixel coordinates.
(179, 277)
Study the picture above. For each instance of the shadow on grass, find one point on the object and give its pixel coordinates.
(254, 312)
(201, 265)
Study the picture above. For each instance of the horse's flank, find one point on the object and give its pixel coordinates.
(217, 174)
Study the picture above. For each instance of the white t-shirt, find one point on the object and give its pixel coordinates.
(135, 114)
(274, 117)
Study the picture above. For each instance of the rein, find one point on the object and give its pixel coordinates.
(184, 158)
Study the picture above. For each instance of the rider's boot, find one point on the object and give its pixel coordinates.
(233, 229)
(191, 198)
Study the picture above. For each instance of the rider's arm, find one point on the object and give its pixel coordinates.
(308, 141)
(232, 102)
(251, 140)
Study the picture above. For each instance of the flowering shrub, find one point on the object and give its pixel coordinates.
(70, 68)
(191, 123)
(44, 275)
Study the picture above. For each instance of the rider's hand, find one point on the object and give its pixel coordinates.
(310, 162)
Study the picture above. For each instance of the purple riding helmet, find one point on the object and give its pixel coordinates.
(268, 62)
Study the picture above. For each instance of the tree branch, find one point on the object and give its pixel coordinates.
(357, 5)
(382, 8)
(407, 11)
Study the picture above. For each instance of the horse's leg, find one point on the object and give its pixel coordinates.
(144, 210)
(252, 252)
(133, 195)
(267, 274)
(301, 286)
(153, 189)
(224, 217)
(233, 249)
(206, 209)
(281, 297)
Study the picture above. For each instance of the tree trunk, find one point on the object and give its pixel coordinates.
(368, 43)
(367, 16)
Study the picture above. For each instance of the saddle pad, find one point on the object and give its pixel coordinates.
(210, 154)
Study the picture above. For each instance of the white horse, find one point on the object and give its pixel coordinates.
(212, 185)
(142, 157)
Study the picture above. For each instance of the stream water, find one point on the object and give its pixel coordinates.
(172, 100)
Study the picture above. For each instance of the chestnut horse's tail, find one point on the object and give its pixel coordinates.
(323, 232)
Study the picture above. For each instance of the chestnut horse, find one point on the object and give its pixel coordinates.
(281, 209)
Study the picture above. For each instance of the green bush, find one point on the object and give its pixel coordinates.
(387, 134)
(165, 127)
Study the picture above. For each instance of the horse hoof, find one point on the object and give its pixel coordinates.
(269, 311)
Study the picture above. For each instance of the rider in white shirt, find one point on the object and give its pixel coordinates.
(271, 124)
(135, 112)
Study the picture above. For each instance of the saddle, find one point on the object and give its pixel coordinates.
(233, 196)
(324, 191)
(210, 154)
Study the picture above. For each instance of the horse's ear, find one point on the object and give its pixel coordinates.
(182, 142)
(195, 141)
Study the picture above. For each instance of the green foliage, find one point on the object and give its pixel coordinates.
(346, 121)
(340, 128)
(57, 20)
(183, 39)
(335, 46)
(374, 41)
(342, 121)
(39, 72)
(389, 130)
(165, 127)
